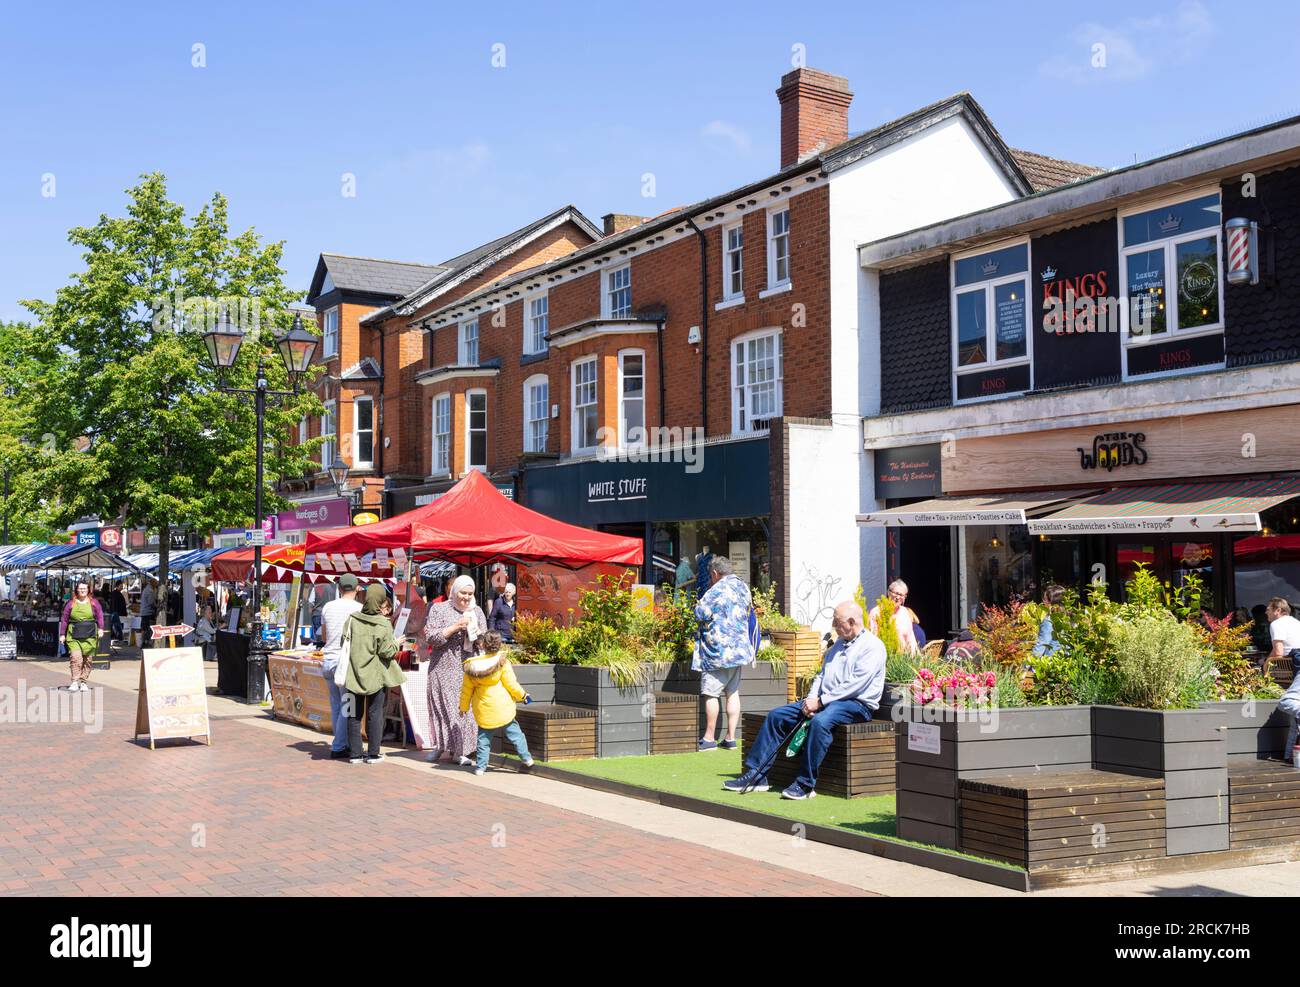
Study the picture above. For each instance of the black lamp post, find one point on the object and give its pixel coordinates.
(296, 348)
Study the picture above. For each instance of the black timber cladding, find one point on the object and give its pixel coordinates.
(915, 338)
(1261, 319)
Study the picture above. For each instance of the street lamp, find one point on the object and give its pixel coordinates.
(338, 471)
(296, 348)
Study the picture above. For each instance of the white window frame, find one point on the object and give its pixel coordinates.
(624, 439)
(530, 385)
(463, 340)
(357, 461)
(443, 468)
(576, 432)
(330, 332)
(469, 430)
(607, 293)
(329, 426)
(734, 388)
(535, 342)
(1170, 247)
(772, 280)
(990, 321)
(733, 263)
(302, 431)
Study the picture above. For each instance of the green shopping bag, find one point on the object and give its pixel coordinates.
(796, 742)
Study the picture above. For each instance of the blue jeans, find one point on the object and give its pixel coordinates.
(513, 734)
(340, 722)
(781, 721)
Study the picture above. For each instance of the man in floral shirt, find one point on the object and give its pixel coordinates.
(722, 649)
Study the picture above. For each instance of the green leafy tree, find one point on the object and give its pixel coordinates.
(140, 430)
(27, 360)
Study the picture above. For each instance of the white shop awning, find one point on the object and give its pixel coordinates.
(1012, 508)
(1183, 508)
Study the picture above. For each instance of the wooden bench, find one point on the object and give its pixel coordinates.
(860, 760)
(675, 724)
(1263, 804)
(1055, 820)
(554, 733)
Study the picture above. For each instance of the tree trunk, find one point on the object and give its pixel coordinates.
(164, 561)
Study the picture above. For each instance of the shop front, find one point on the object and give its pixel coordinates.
(717, 500)
(292, 525)
(1215, 495)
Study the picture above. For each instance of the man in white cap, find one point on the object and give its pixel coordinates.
(334, 619)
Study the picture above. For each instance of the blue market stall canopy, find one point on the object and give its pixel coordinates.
(61, 557)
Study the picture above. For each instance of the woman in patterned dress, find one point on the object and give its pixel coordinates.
(454, 631)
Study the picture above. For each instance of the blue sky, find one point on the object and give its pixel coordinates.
(449, 150)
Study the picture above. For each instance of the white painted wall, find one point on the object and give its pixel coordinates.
(824, 564)
(938, 174)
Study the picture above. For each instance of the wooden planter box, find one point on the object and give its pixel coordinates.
(673, 730)
(1052, 821)
(976, 745)
(623, 714)
(1188, 748)
(1256, 729)
(554, 733)
(860, 760)
(536, 680)
(803, 655)
(763, 687)
(1264, 804)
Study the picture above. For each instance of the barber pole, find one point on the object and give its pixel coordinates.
(1242, 251)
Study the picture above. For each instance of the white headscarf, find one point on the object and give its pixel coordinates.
(458, 584)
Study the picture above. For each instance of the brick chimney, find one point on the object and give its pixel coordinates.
(617, 222)
(814, 113)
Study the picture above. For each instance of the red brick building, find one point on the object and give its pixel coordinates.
(695, 378)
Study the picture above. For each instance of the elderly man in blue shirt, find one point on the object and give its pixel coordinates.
(846, 690)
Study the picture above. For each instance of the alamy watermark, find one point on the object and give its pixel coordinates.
(39, 704)
(653, 444)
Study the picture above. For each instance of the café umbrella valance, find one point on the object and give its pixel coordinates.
(1183, 508)
(1012, 508)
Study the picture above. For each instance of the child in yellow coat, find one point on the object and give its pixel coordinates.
(490, 687)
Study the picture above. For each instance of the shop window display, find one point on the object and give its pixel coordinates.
(999, 565)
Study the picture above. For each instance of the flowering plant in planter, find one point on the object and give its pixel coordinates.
(957, 688)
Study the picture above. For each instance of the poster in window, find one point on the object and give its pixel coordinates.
(1198, 283)
(1009, 302)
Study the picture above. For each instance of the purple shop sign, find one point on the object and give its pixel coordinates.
(323, 514)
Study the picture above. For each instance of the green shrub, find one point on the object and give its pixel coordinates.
(770, 617)
(900, 667)
(1159, 662)
(886, 629)
(770, 652)
(625, 666)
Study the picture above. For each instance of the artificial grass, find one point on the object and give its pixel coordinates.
(700, 775)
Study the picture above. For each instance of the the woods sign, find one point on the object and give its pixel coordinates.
(1112, 449)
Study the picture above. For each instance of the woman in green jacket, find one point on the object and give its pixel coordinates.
(372, 669)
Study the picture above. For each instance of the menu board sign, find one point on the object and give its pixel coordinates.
(8, 644)
(299, 692)
(173, 699)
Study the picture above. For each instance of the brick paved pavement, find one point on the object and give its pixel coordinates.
(96, 814)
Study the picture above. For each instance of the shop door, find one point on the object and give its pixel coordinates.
(925, 564)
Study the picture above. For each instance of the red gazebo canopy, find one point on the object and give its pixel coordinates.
(472, 524)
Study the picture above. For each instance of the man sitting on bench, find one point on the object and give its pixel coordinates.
(846, 690)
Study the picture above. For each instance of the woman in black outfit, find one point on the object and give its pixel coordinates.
(502, 618)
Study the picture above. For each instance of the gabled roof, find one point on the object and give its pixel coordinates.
(365, 369)
(462, 267)
(1045, 173)
(394, 278)
(840, 156)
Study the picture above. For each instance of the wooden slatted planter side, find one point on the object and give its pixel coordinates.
(860, 761)
(1056, 821)
(554, 733)
(803, 656)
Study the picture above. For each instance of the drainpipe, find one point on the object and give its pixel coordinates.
(704, 324)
